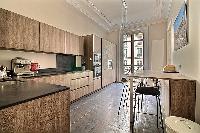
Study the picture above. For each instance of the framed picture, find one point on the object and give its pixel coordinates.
(110, 64)
(181, 28)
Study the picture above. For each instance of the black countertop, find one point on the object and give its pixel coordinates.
(16, 92)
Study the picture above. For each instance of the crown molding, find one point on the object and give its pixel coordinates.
(162, 10)
(91, 11)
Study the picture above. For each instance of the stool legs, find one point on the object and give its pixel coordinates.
(158, 111)
(157, 106)
(161, 118)
(134, 108)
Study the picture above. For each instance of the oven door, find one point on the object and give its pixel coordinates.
(97, 71)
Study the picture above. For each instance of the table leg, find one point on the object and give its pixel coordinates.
(131, 100)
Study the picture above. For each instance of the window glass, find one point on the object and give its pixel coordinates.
(138, 36)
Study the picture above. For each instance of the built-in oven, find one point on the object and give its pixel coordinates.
(97, 64)
(97, 59)
(97, 71)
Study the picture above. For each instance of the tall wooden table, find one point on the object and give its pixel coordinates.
(182, 92)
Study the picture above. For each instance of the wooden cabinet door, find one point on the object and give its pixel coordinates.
(81, 46)
(30, 36)
(18, 32)
(68, 48)
(59, 40)
(5, 17)
(96, 44)
(45, 35)
(51, 39)
(72, 43)
(77, 45)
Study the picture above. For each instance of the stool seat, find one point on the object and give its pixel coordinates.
(154, 91)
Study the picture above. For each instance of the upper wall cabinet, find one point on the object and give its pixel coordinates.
(81, 45)
(18, 32)
(68, 49)
(51, 39)
(74, 44)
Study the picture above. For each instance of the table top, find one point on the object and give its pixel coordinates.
(158, 75)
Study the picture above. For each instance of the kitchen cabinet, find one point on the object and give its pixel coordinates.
(97, 83)
(72, 42)
(18, 32)
(81, 46)
(36, 113)
(68, 48)
(51, 39)
(75, 44)
(92, 45)
(80, 83)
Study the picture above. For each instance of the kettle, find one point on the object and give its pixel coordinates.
(34, 67)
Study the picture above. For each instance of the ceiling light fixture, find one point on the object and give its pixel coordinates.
(124, 16)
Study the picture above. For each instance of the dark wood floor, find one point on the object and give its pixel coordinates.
(98, 113)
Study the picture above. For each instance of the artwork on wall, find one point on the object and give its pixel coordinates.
(110, 64)
(181, 28)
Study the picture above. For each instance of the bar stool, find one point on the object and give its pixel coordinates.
(153, 91)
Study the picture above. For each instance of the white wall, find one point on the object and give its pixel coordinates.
(189, 56)
(57, 13)
(53, 12)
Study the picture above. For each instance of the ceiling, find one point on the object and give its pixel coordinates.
(108, 13)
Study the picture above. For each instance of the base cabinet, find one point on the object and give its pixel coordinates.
(49, 114)
(178, 98)
(80, 83)
(97, 83)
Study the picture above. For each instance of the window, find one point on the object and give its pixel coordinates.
(125, 62)
(138, 51)
(125, 53)
(133, 52)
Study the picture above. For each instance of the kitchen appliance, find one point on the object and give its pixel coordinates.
(21, 66)
(97, 71)
(97, 59)
(34, 67)
(97, 64)
(3, 72)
